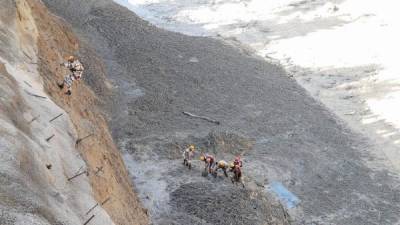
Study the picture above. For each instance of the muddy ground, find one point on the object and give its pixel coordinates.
(287, 136)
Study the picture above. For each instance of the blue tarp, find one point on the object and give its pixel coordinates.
(287, 197)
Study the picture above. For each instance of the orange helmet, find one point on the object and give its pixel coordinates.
(71, 58)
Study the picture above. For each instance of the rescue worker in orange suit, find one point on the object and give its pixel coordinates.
(208, 161)
(223, 165)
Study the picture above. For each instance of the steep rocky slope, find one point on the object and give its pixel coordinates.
(283, 134)
(38, 156)
(293, 139)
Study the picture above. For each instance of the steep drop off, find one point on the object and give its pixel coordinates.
(34, 171)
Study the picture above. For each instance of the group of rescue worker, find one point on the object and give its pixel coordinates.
(212, 166)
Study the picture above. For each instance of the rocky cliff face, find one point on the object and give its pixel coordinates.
(39, 155)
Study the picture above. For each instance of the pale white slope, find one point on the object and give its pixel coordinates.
(31, 194)
(23, 158)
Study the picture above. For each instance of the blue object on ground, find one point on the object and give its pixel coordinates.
(284, 194)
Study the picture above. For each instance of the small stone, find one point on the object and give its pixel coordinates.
(348, 97)
(350, 113)
(193, 59)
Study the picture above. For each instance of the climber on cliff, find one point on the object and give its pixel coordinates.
(208, 161)
(188, 154)
(76, 69)
(223, 165)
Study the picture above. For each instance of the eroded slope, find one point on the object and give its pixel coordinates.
(39, 155)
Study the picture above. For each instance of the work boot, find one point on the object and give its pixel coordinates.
(61, 86)
(68, 92)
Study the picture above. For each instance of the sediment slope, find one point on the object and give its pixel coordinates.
(38, 155)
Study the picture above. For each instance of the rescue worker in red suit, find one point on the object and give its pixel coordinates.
(238, 161)
(208, 161)
(237, 174)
